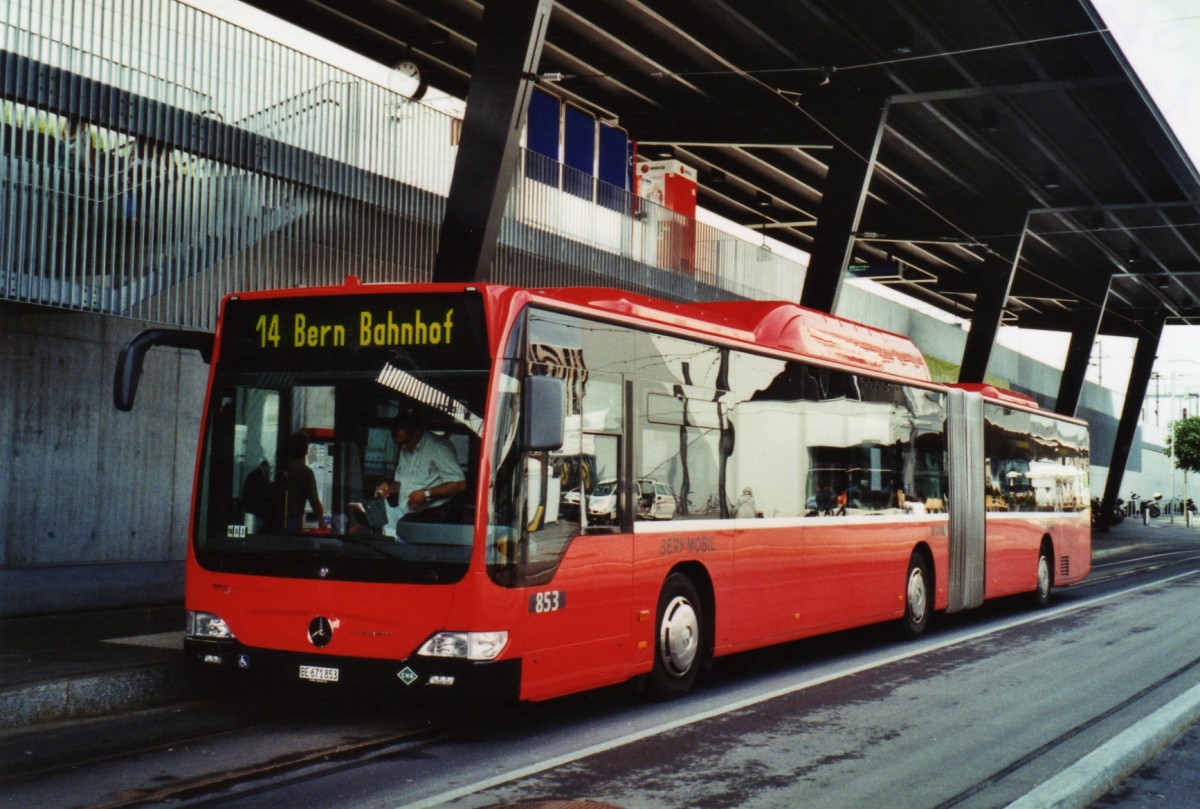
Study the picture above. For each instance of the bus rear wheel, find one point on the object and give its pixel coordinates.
(1045, 580)
(917, 589)
(679, 639)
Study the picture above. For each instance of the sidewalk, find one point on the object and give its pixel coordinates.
(90, 664)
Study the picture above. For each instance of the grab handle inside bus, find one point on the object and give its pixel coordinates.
(545, 413)
(133, 354)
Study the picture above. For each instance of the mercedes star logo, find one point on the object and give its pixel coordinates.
(320, 631)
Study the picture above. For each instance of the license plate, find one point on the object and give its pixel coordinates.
(319, 674)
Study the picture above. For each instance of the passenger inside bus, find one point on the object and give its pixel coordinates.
(258, 495)
(301, 484)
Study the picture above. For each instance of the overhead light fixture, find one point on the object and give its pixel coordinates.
(1050, 179)
(762, 200)
(664, 152)
(716, 177)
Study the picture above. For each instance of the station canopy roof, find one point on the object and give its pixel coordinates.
(1012, 127)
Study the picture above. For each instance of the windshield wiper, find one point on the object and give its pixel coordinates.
(369, 542)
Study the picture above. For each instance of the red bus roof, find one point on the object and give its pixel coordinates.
(775, 325)
(769, 324)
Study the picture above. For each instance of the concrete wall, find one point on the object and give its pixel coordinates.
(93, 502)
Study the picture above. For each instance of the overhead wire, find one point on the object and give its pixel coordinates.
(885, 62)
(830, 71)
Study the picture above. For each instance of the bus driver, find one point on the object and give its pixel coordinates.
(427, 471)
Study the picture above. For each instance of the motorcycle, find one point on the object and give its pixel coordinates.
(1180, 506)
(1139, 506)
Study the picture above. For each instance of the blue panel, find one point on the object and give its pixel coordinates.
(579, 151)
(541, 137)
(615, 170)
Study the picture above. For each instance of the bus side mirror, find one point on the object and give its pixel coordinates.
(133, 354)
(544, 416)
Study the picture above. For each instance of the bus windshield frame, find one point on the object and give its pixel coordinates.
(299, 436)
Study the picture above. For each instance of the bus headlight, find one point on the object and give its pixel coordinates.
(470, 645)
(207, 625)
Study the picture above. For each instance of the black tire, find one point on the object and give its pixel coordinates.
(678, 639)
(918, 591)
(1045, 580)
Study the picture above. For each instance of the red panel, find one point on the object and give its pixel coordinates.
(370, 620)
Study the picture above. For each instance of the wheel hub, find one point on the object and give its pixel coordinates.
(679, 636)
(916, 595)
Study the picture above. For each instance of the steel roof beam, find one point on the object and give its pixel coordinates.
(850, 169)
(506, 64)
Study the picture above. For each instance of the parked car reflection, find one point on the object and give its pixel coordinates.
(655, 501)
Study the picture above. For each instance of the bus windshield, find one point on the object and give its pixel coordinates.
(302, 474)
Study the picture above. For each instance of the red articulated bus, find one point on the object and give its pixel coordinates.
(648, 485)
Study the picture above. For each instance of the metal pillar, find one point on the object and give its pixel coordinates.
(1085, 327)
(991, 294)
(1139, 380)
(506, 59)
(849, 177)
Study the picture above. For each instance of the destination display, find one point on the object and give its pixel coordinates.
(446, 330)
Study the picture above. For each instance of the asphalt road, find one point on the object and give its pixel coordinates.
(987, 707)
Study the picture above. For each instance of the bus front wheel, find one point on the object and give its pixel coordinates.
(917, 590)
(679, 639)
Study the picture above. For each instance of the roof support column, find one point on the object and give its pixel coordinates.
(991, 294)
(1085, 327)
(506, 59)
(849, 177)
(1135, 394)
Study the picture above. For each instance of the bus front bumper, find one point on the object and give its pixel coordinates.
(500, 679)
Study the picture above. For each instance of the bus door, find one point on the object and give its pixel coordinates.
(966, 464)
(576, 564)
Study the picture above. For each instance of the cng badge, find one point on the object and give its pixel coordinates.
(407, 675)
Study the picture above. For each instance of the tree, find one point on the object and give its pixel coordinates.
(1184, 443)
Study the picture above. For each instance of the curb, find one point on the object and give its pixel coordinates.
(1098, 772)
(94, 695)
